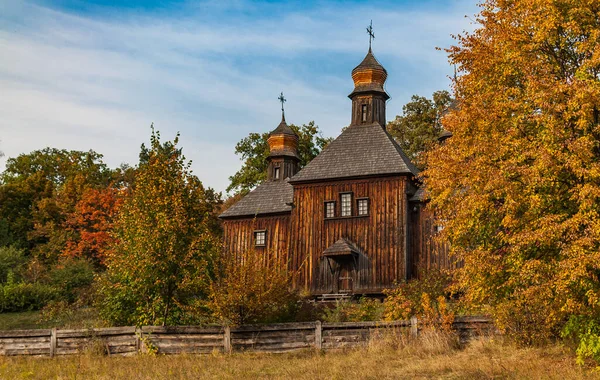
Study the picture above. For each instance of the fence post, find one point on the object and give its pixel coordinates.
(53, 342)
(318, 335)
(414, 327)
(138, 340)
(227, 339)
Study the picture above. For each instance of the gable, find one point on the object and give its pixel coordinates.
(361, 150)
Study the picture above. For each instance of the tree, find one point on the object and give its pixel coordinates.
(165, 244)
(420, 124)
(254, 150)
(39, 188)
(518, 184)
(91, 224)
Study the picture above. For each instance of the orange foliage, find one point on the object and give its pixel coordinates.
(92, 222)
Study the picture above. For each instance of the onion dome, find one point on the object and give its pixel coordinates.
(369, 76)
(283, 141)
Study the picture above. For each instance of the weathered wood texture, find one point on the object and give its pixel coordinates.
(274, 338)
(380, 235)
(428, 251)
(239, 235)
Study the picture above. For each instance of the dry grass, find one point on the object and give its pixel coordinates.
(433, 356)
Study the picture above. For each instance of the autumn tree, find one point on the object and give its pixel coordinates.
(518, 184)
(164, 242)
(420, 125)
(254, 150)
(38, 189)
(90, 224)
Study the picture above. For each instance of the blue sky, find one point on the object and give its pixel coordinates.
(86, 75)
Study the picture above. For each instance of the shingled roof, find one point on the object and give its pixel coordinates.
(370, 62)
(340, 248)
(361, 150)
(270, 197)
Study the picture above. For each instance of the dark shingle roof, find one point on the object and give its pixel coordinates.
(341, 247)
(361, 150)
(268, 198)
(370, 62)
(283, 128)
(419, 195)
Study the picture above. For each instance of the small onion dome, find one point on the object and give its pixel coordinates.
(369, 75)
(283, 141)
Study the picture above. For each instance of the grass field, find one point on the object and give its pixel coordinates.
(80, 318)
(429, 358)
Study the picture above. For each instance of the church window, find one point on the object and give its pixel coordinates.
(363, 206)
(346, 199)
(330, 209)
(364, 112)
(260, 238)
(276, 175)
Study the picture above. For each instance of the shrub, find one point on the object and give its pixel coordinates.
(405, 300)
(585, 332)
(71, 276)
(251, 289)
(24, 296)
(366, 309)
(12, 260)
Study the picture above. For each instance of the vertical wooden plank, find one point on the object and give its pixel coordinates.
(414, 327)
(318, 335)
(138, 339)
(53, 342)
(227, 340)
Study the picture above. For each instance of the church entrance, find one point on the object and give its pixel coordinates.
(345, 280)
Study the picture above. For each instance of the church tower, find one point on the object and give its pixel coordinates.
(369, 96)
(283, 150)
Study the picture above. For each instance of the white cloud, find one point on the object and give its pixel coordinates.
(97, 82)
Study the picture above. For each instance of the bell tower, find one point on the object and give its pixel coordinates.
(369, 96)
(283, 150)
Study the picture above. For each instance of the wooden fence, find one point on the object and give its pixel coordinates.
(273, 338)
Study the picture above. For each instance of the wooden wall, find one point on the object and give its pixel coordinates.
(380, 235)
(428, 251)
(238, 234)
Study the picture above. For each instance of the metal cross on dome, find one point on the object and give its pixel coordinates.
(282, 100)
(371, 34)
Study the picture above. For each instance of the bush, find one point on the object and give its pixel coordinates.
(585, 332)
(12, 260)
(71, 276)
(405, 300)
(23, 296)
(366, 309)
(252, 289)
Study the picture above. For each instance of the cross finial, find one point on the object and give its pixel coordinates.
(371, 34)
(282, 100)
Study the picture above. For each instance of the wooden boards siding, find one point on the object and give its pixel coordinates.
(239, 235)
(380, 235)
(428, 252)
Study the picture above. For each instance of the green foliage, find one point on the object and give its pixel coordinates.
(254, 150)
(26, 296)
(585, 332)
(70, 276)
(420, 124)
(406, 300)
(12, 262)
(366, 309)
(38, 189)
(166, 236)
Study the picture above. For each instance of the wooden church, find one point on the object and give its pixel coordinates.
(352, 221)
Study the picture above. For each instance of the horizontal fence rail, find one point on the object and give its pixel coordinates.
(271, 338)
